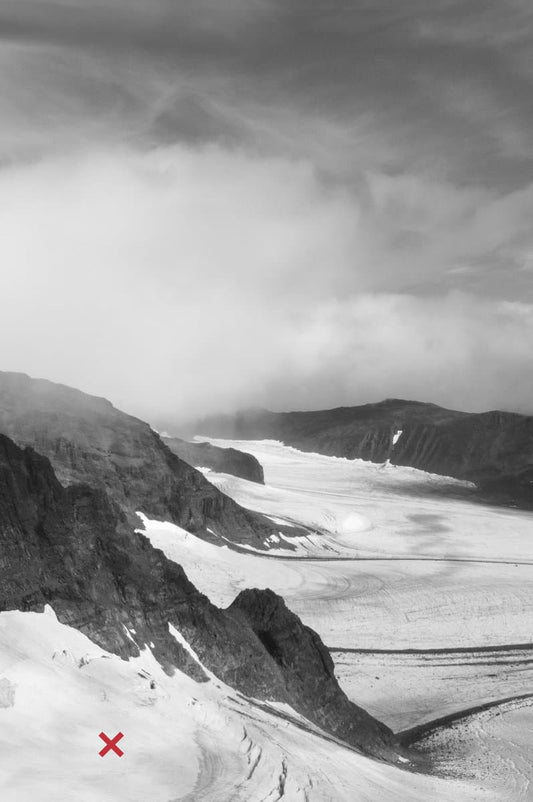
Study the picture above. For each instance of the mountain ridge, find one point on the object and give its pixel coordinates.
(89, 441)
(492, 449)
(222, 460)
(68, 547)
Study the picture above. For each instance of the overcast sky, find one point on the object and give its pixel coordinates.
(214, 204)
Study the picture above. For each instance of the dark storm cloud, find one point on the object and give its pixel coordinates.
(446, 86)
(442, 86)
(283, 203)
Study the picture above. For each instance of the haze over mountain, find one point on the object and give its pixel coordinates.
(289, 205)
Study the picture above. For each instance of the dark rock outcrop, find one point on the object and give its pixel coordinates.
(492, 449)
(70, 547)
(308, 670)
(223, 460)
(88, 441)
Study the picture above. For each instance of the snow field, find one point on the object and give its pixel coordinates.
(182, 740)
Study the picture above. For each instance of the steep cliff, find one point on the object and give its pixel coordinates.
(307, 669)
(492, 449)
(223, 460)
(88, 441)
(69, 547)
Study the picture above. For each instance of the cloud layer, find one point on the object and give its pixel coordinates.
(268, 204)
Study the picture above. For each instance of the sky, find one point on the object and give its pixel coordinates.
(210, 205)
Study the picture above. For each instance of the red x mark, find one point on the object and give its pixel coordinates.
(111, 744)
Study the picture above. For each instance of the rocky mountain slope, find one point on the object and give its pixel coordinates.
(492, 449)
(88, 441)
(70, 547)
(306, 663)
(222, 460)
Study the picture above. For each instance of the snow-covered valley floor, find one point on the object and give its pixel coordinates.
(424, 595)
(429, 611)
(183, 740)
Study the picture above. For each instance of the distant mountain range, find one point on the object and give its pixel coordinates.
(492, 449)
(69, 486)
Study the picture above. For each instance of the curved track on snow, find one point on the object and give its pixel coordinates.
(415, 587)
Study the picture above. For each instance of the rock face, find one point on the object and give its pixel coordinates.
(492, 449)
(308, 669)
(70, 547)
(223, 460)
(88, 441)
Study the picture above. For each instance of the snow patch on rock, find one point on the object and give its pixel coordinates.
(397, 436)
